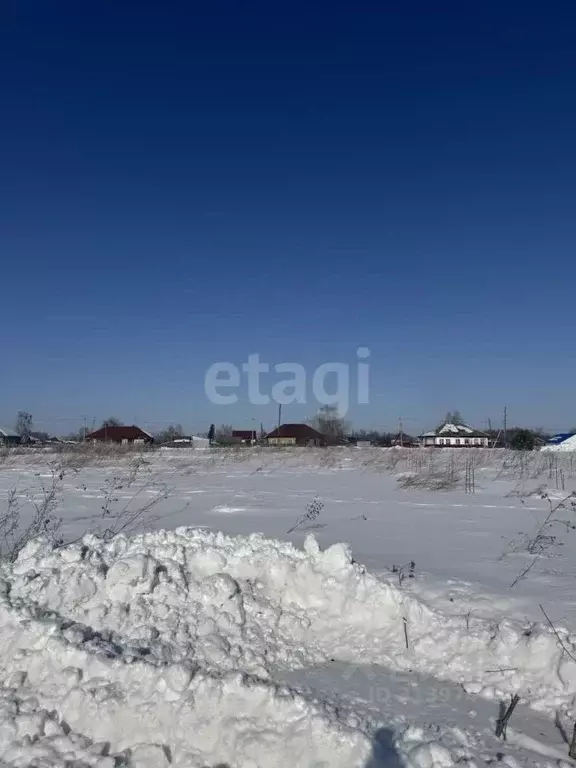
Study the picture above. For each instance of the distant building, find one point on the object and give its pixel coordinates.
(9, 437)
(455, 436)
(565, 441)
(244, 435)
(186, 441)
(295, 434)
(402, 440)
(122, 435)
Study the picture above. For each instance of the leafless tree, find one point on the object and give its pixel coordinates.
(173, 432)
(112, 421)
(329, 423)
(24, 424)
(223, 433)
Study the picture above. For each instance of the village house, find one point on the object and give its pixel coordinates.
(565, 441)
(9, 437)
(449, 435)
(120, 434)
(295, 434)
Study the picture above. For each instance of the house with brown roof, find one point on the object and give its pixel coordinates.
(295, 434)
(125, 435)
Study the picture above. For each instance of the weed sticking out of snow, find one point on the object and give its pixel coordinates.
(42, 505)
(545, 536)
(313, 509)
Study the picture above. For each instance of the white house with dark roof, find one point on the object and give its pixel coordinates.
(454, 436)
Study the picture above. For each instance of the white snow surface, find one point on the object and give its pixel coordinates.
(194, 647)
(455, 428)
(166, 645)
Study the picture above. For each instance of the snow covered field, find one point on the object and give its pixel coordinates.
(199, 632)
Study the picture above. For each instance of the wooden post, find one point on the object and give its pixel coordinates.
(502, 722)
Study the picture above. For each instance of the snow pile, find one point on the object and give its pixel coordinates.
(566, 445)
(455, 428)
(152, 715)
(31, 736)
(165, 645)
(252, 604)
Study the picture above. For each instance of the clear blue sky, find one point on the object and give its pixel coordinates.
(183, 183)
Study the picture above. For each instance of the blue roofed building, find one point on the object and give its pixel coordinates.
(563, 441)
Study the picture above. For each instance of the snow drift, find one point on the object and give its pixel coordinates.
(165, 645)
(565, 446)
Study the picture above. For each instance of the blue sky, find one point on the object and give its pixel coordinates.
(188, 183)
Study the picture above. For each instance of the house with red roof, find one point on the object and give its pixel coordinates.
(295, 434)
(124, 435)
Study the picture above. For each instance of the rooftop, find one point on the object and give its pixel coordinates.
(8, 433)
(299, 431)
(454, 430)
(119, 433)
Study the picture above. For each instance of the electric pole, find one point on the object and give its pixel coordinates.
(505, 427)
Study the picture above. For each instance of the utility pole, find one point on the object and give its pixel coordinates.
(401, 432)
(505, 427)
(84, 433)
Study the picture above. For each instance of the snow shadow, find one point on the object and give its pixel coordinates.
(219, 765)
(384, 753)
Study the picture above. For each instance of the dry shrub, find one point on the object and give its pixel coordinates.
(440, 480)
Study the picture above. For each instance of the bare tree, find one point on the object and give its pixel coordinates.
(24, 424)
(112, 421)
(329, 423)
(223, 433)
(453, 418)
(173, 432)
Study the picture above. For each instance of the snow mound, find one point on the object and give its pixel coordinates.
(565, 446)
(165, 646)
(152, 714)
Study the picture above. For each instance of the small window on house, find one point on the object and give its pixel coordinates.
(466, 441)
(457, 441)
